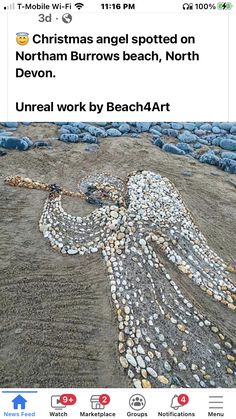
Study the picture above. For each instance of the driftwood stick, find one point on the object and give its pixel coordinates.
(28, 183)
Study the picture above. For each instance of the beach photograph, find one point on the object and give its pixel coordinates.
(118, 254)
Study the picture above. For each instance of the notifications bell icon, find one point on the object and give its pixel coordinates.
(179, 401)
(174, 402)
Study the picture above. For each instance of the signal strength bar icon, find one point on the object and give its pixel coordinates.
(79, 5)
(10, 7)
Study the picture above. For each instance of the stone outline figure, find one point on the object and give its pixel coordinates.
(150, 244)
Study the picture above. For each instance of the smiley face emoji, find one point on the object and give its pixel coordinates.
(22, 38)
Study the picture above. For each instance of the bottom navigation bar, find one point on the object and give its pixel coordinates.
(117, 403)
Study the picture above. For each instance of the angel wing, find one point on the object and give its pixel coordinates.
(71, 234)
(164, 340)
(170, 225)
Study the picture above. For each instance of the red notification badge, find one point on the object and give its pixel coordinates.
(104, 399)
(67, 399)
(183, 399)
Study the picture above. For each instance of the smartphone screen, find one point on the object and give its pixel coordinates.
(118, 225)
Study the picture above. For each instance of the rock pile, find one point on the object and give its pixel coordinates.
(211, 143)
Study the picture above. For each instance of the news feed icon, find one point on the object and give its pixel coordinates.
(19, 402)
(22, 38)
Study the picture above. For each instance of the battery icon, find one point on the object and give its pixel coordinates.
(224, 6)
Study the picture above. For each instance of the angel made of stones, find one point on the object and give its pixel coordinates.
(157, 262)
